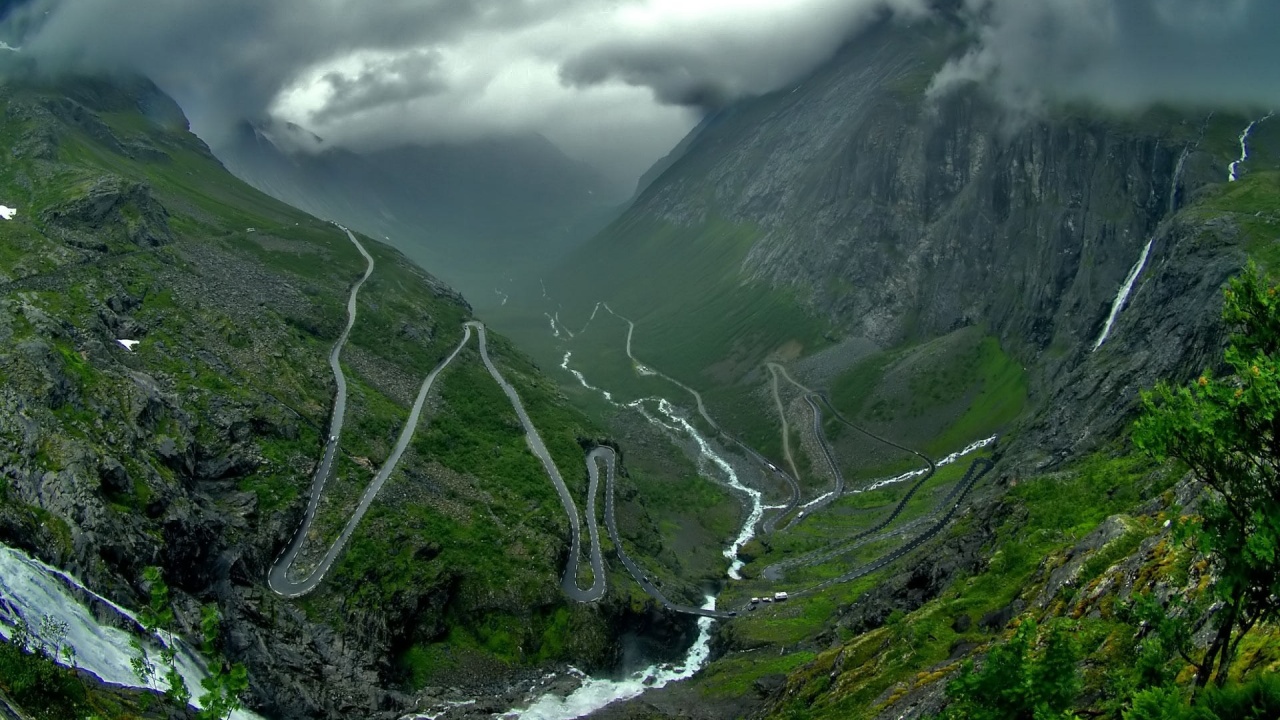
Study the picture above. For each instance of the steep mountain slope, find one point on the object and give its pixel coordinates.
(850, 212)
(193, 448)
(945, 273)
(478, 213)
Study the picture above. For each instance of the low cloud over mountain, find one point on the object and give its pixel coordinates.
(618, 83)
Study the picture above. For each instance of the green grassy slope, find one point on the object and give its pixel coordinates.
(128, 227)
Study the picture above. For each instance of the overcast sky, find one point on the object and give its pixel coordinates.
(618, 82)
(1123, 53)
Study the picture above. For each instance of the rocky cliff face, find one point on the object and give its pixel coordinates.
(898, 218)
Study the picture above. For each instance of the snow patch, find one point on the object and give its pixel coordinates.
(7, 213)
(1123, 296)
(128, 344)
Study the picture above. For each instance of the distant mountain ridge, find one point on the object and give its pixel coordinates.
(474, 212)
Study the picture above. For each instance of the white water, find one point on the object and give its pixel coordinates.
(6, 46)
(1232, 174)
(757, 505)
(706, 455)
(435, 712)
(583, 380)
(564, 327)
(1121, 297)
(31, 590)
(815, 501)
(970, 448)
(595, 693)
(556, 325)
(505, 297)
(7, 213)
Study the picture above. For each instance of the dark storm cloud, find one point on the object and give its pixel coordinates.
(617, 82)
(390, 82)
(229, 59)
(706, 60)
(1123, 53)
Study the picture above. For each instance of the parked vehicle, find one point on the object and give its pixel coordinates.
(779, 597)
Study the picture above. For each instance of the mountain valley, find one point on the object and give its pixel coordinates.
(834, 418)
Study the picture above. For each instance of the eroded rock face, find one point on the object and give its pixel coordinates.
(113, 206)
(899, 218)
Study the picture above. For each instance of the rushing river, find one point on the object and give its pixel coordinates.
(595, 693)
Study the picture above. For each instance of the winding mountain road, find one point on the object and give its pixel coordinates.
(569, 583)
(782, 415)
(724, 436)
(605, 454)
(837, 477)
(278, 576)
(940, 516)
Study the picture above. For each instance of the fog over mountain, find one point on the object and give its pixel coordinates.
(618, 84)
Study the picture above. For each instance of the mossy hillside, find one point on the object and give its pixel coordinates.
(937, 396)
(849, 516)
(1041, 520)
(223, 407)
(695, 317)
(1251, 205)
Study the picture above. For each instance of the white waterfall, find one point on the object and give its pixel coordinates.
(1233, 168)
(31, 591)
(1121, 297)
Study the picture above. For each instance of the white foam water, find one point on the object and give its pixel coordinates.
(815, 501)
(31, 590)
(1123, 296)
(582, 380)
(1234, 168)
(966, 450)
(595, 693)
(755, 496)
